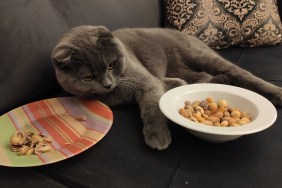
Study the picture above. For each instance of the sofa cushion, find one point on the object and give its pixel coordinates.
(222, 23)
(264, 62)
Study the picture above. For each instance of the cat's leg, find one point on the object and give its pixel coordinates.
(197, 77)
(189, 75)
(221, 79)
(173, 82)
(147, 94)
(155, 130)
(209, 61)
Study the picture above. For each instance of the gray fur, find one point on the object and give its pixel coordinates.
(148, 63)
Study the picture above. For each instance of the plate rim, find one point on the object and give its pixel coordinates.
(166, 104)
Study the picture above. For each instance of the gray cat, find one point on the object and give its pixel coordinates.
(139, 65)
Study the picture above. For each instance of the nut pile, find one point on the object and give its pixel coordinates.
(213, 113)
(27, 143)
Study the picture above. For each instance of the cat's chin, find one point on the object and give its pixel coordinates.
(99, 92)
(81, 93)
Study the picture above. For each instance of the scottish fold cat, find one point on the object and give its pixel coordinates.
(139, 65)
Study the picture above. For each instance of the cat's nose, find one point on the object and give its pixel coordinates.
(108, 86)
(107, 83)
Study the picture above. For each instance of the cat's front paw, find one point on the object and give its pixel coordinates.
(157, 138)
(220, 79)
(171, 83)
(276, 98)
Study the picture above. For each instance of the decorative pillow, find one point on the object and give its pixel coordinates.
(225, 23)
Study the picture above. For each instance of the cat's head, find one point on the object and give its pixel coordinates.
(88, 59)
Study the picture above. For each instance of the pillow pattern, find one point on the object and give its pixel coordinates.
(224, 23)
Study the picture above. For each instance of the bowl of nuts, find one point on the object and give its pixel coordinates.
(216, 112)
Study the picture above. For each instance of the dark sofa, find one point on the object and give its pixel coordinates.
(29, 31)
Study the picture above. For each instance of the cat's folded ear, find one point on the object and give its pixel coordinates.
(61, 57)
(104, 33)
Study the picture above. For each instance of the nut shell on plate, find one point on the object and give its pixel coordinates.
(27, 143)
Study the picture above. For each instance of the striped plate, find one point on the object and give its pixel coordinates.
(55, 117)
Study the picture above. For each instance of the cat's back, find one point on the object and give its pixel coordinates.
(139, 33)
(154, 37)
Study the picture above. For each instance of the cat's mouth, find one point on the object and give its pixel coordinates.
(92, 92)
(103, 90)
(100, 90)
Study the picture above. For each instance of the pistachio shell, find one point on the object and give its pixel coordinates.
(30, 151)
(81, 118)
(41, 148)
(22, 150)
(25, 143)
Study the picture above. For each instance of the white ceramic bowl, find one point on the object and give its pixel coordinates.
(262, 111)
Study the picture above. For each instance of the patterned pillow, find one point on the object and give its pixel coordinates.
(225, 23)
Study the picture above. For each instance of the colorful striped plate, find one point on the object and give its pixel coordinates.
(55, 117)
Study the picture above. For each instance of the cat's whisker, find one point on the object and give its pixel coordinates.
(131, 86)
(134, 79)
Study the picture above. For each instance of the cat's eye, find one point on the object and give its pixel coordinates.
(88, 77)
(112, 65)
